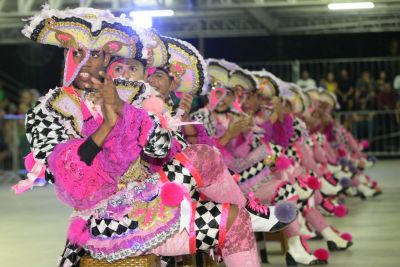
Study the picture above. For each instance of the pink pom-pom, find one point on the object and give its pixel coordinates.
(340, 211)
(321, 254)
(313, 183)
(347, 236)
(364, 144)
(78, 233)
(171, 194)
(282, 163)
(154, 104)
(374, 184)
(29, 161)
(342, 153)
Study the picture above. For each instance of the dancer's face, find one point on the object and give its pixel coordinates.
(98, 61)
(251, 102)
(128, 69)
(160, 80)
(226, 102)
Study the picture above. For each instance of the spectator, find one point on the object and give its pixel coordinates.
(396, 85)
(345, 91)
(382, 80)
(330, 83)
(34, 96)
(25, 101)
(305, 80)
(365, 94)
(387, 98)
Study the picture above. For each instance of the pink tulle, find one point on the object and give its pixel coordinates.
(347, 236)
(340, 211)
(321, 254)
(313, 183)
(171, 194)
(78, 233)
(282, 163)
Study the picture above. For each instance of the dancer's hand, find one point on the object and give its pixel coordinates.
(106, 93)
(185, 104)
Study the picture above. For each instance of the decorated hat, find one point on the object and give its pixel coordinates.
(86, 28)
(218, 74)
(244, 79)
(269, 84)
(328, 97)
(186, 66)
(297, 99)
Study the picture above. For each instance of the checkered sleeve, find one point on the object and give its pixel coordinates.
(159, 142)
(43, 132)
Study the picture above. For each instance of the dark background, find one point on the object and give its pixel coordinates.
(39, 66)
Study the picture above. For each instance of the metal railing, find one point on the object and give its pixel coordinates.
(318, 68)
(380, 128)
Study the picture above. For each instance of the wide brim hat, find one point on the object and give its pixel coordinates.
(186, 65)
(84, 28)
(218, 75)
(269, 84)
(329, 97)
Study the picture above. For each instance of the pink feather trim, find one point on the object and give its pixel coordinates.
(78, 233)
(282, 163)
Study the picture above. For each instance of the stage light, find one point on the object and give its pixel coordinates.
(144, 18)
(143, 21)
(152, 13)
(349, 6)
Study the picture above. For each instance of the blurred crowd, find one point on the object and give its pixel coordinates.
(12, 127)
(365, 93)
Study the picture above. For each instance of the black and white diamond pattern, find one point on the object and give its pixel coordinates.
(285, 192)
(71, 256)
(43, 132)
(207, 221)
(176, 172)
(159, 142)
(291, 153)
(277, 150)
(204, 116)
(110, 227)
(252, 171)
(309, 142)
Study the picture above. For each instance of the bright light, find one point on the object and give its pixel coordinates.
(348, 6)
(143, 21)
(152, 13)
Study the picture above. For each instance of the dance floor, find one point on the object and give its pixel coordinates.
(33, 226)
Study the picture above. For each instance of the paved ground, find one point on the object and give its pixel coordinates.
(33, 227)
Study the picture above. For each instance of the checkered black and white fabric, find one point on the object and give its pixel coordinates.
(71, 256)
(277, 150)
(207, 222)
(180, 138)
(285, 192)
(109, 227)
(291, 153)
(159, 142)
(176, 172)
(43, 132)
(252, 171)
(204, 116)
(320, 139)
